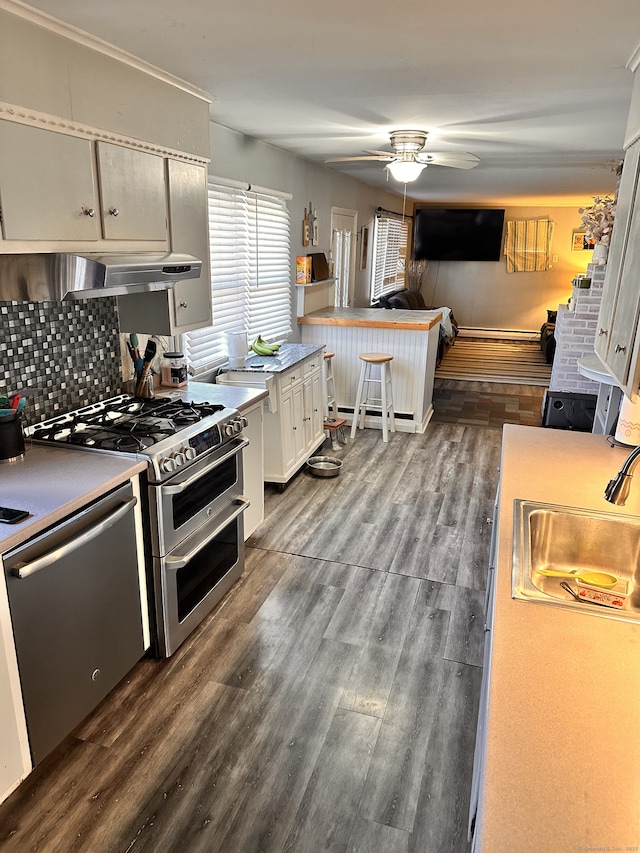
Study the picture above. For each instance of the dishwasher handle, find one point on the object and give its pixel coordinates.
(25, 570)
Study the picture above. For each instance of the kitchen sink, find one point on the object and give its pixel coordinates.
(569, 539)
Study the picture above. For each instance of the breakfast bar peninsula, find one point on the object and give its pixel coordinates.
(410, 336)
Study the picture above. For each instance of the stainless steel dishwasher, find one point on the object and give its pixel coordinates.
(74, 596)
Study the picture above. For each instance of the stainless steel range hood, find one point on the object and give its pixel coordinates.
(54, 277)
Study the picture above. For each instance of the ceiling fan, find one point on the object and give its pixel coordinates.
(407, 160)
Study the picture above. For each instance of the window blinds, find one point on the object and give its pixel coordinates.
(249, 244)
(390, 240)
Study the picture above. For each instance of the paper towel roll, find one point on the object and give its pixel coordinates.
(628, 429)
(237, 348)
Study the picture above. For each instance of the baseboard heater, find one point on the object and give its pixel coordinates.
(401, 416)
(499, 334)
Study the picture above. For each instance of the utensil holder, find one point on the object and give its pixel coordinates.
(11, 438)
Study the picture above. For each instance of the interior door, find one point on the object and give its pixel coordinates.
(344, 225)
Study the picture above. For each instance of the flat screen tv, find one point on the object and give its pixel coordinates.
(457, 234)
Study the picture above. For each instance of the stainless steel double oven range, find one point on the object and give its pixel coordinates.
(192, 495)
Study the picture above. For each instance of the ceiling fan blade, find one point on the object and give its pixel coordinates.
(375, 151)
(353, 159)
(444, 158)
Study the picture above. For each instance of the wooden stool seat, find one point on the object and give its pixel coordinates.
(375, 357)
(365, 399)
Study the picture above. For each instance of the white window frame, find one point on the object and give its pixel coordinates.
(250, 252)
(390, 246)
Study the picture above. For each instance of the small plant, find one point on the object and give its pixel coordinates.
(598, 219)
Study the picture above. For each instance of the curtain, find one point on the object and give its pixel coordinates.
(528, 245)
(341, 244)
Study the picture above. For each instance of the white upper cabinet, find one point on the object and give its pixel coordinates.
(617, 342)
(187, 305)
(50, 189)
(133, 198)
(47, 185)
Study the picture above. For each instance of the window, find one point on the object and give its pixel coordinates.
(250, 272)
(390, 238)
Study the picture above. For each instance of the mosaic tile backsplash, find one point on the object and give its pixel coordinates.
(60, 355)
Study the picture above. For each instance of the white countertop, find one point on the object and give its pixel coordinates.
(234, 396)
(51, 482)
(562, 769)
(286, 357)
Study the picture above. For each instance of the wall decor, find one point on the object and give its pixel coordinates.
(580, 242)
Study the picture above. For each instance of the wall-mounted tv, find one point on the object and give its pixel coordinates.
(457, 234)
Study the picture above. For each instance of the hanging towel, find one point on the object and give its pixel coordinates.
(528, 245)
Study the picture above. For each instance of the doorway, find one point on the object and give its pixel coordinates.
(344, 224)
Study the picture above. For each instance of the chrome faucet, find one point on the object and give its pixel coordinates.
(618, 489)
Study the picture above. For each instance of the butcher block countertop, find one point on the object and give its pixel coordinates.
(51, 482)
(373, 318)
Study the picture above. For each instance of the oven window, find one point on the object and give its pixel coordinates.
(205, 490)
(201, 574)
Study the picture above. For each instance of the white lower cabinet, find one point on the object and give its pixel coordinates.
(295, 430)
(253, 467)
(293, 414)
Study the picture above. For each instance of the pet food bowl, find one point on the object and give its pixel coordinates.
(324, 466)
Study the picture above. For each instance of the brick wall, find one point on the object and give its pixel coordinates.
(576, 329)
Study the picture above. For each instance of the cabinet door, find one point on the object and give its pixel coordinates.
(187, 305)
(617, 320)
(189, 229)
(133, 194)
(293, 431)
(313, 411)
(253, 465)
(47, 187)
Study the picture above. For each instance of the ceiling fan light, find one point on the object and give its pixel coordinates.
(406, 170)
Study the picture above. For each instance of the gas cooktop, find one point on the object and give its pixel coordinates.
(171, 433)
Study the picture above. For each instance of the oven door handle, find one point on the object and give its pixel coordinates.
(179, 562)
(180, 487)
(25, 570)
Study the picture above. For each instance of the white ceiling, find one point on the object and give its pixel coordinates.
(539, 91)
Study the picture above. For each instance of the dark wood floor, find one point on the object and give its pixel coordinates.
(329, 704)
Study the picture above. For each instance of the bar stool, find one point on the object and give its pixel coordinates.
(365, 399)
(333, 423)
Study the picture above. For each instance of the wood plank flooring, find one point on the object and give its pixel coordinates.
(330, 702)
(482, 359)
(490, 404)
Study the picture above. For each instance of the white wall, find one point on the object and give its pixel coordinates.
(243, 158)
(481, 294)
(484, 295)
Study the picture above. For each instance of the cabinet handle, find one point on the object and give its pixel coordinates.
(88, 211)
(620, 348)
(113, 211)
(183, 305)
(602, 331)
